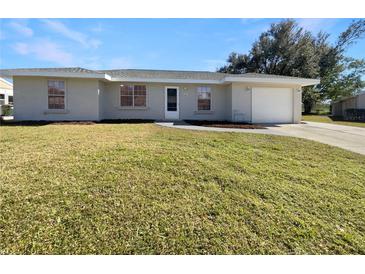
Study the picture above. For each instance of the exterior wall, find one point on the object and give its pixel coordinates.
(6, 93)
(339, 108)
(189, 103)
(297, 105)
(241, 103)
(361, 100)
(31, 99)
(92, 99)
(101, 87)
(111, 103)
(155, 109)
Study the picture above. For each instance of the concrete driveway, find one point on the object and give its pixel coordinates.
(346, 137)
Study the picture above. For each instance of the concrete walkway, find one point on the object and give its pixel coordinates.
(346, 137)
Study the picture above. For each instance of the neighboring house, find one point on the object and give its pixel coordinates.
(354, 102)
(6, 95)
(82, 94)
(6, 92)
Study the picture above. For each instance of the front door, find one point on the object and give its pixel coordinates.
(171, 103)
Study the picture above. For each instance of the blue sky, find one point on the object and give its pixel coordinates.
(186, 44)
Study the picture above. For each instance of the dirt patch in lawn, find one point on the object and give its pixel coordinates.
(224, 124)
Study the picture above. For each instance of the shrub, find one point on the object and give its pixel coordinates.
(6, 110)
(354, 114)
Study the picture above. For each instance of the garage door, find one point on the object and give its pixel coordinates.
(272, 105)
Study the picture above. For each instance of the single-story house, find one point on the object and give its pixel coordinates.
(6, 95)
(83, 94)
(353, 102)
(6, 92)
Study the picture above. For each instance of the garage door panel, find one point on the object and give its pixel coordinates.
(272, 105)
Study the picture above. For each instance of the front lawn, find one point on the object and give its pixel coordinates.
(144, 189)
(331, 120)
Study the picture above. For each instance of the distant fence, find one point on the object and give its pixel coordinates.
(355, 114)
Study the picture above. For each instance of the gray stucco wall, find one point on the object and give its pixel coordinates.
(189, 103)
(297, 105)
(31, 99)
(101, 87)
(91, 99)
(156, 102)
(111, 103)
(241, 103)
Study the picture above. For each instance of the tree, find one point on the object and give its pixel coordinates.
(287, 49)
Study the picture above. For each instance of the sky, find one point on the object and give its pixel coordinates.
(180, 44)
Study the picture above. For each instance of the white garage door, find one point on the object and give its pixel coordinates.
(272, 105)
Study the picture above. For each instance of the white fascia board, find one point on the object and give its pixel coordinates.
(175, 81)
(6, 82)
(299, 81)
(57, 74)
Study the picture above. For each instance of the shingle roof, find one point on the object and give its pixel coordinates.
(164, 74)
(153, 75)
(181, 74)
(70, 70)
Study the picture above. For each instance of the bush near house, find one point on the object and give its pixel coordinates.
(6, 110)
(355, 114)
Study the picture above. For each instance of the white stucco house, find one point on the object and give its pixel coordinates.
(6, 95)
(6, 92)
(82, 94)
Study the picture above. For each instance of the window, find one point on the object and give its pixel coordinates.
(2, 99)
(56, 94)
(11, 100)
(133, 96)
(204, 98)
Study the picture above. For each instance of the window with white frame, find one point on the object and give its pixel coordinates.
(56, 94)
(133, 96)
(204, 98)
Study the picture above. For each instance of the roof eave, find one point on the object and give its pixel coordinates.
(165, 80)
(11, 73)
(300, 81)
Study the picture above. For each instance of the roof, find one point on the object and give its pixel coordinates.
(76, 72)
(5, 84)
(361, 93)
(166, 76)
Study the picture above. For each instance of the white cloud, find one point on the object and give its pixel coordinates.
(46, 51)
(21, 28)
(76, 36)
(316, 24)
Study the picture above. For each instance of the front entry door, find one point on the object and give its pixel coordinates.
(171, 103)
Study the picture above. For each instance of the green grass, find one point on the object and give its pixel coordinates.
(331, 120)
(144, 189)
